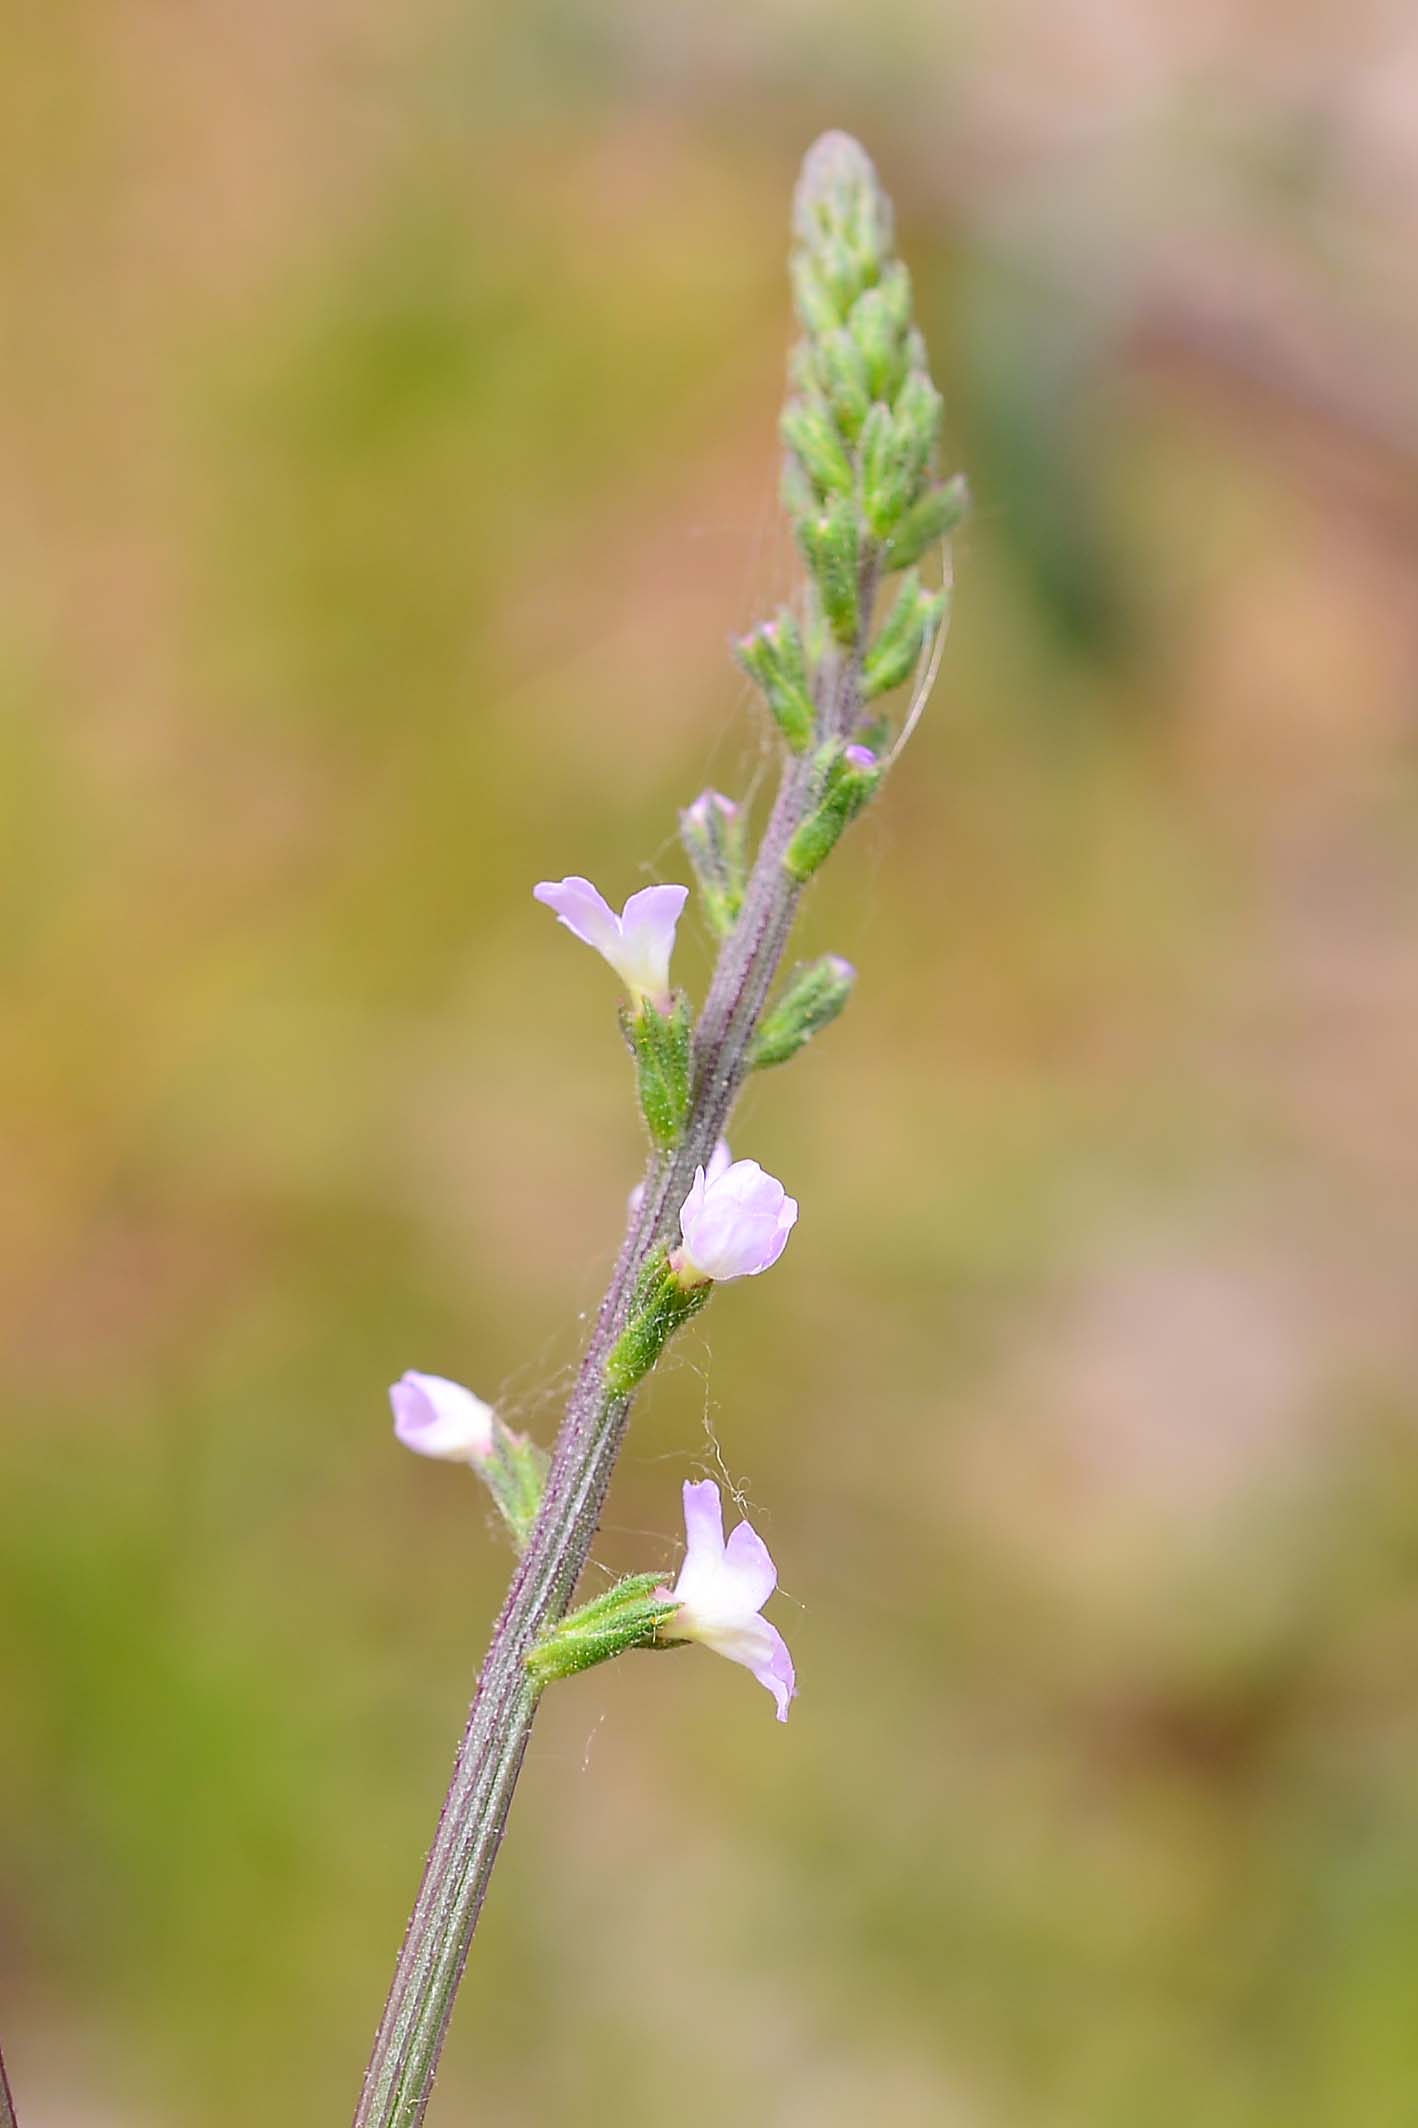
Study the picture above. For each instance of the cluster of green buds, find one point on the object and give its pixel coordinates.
(862, 428)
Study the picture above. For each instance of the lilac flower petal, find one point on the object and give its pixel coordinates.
(637, 943)
(647, 934)
(748, 1562)
(703, 1520)
(775, 1669)
(700, 1584)
(720, 1161)
(737, 1224)
(583, 910)
(436, 1417)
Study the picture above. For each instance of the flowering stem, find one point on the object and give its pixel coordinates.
(435, 1949)
(883, 454)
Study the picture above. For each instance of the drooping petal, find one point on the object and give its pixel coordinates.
(760, 1648)
(436, 1417)
(775, 1669)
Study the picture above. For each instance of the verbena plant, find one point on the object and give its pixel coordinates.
(861, 427)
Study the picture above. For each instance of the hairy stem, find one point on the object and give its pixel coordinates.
(405, 2058)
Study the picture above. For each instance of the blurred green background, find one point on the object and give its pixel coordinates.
(387, 424)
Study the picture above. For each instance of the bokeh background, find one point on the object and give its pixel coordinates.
(388, 431)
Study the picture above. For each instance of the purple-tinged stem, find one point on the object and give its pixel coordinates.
(405, 2059)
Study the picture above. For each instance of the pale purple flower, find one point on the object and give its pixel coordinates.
(735, 1224)
(720, 1161)
(637, 943)
(860, 757)
(721, 1590)
(436, 1417)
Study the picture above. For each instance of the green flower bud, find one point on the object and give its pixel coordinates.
(773, 656)
(928, 520)
(843, 271)
(892, 657)
(878, 341)
(850, 776)
(831, 547)
(814, 997)
(895, 289)
(660, 1043)
(896, 450)
(659, 1306)
(843, 376)
(813, 301)
(918, 411)
(625, 1616)
(810, 434)
(839, 197)
(712, 831)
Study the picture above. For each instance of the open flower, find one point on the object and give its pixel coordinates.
(435, 1417)
(721, 1590)
(735, 1224)
(637, 943)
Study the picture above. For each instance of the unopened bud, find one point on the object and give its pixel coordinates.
(878, 340)
(851, 775)
(839, 198)
(810, 434)
(712, 831)
(830, 544)
(773, 655)
(814, 997)
(843, 375)
(915, 616)
(896, 452)
(929, 519)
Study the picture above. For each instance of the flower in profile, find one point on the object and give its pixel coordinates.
(637, 943)
(735, 1224)
(721, 1590)
(720, 1161)
(436, 1417)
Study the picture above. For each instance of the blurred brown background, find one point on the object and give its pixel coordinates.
(388, 437)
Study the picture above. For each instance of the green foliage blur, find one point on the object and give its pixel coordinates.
(389, 439)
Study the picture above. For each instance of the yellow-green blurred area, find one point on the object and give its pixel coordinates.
(387, 421)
